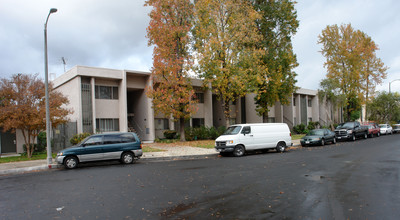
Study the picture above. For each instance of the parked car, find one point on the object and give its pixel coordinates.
(318, 137)
(125, 147)
(246, 137)
(351, 131)
(396, 128)
(373, 129)
(386, 129)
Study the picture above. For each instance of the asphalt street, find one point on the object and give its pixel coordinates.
(349, 180)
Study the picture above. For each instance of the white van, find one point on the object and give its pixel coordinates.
(240, 138)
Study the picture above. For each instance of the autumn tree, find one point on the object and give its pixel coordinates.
(373, 72)
(385, 108)
(226, 38)
(23, 107)
(168, 31)
(351, 63)
(277, 25)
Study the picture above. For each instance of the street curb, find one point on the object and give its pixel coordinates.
(30, 169)
(184, 157)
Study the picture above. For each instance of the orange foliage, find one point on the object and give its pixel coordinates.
(22, 106)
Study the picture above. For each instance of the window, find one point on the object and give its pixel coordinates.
(127, 138)
(309, 102)
(93, 141)
(271, 120)
(246, 130)
(106, 92)
(162, 124)
(197, 122)
(120, 138)
(107, 124)
(112, 139)
(294, 101)
(199, 97)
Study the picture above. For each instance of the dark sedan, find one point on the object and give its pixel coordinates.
(318, 137)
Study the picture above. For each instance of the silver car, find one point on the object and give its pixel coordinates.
(386, 129)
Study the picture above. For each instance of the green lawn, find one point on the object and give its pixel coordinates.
(297, 136)
(35, 156)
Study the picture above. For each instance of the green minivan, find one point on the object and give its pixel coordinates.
(125, 147)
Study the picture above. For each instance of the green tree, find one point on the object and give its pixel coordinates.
(23, 107)
(226, 38)
(168, 31)
(351, 63)
(329, 92)
(277, 25)
(385, 108)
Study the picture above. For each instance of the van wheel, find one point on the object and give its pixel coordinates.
(280, 147)
(127, 158)
(71, 162)
(238, 151)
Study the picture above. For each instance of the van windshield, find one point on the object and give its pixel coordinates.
(232, 130)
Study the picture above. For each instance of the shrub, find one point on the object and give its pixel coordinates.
(169, 134)
(203, 133)
(76, 139)
(312, 125)
(299, 129)
(36, 148)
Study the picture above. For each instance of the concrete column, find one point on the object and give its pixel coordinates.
(79, 121)
(150, 129)
(123, 104)
(93, 88)
(208, 108)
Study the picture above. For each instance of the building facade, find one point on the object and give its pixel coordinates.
(106, 100)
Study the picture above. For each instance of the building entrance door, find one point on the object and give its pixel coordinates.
(8, 142)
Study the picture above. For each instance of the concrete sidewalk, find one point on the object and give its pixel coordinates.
(167, 153)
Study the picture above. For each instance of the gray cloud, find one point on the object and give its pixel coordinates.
(111, 34)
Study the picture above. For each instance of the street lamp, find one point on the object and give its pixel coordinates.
(46, 83)
(391, 83)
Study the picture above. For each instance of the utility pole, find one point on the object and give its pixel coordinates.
(46, 82)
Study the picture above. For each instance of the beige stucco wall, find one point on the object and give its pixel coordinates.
(251, 114)
(72, 90)
(20, 141)
(106, 108)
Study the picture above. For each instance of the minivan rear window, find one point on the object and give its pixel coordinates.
(233, 130)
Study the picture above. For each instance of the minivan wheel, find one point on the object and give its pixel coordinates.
(71, 162)
(238, 151)
(280, 147)
(127, 158)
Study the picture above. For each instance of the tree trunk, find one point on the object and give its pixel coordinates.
(182, 129)
(226, 113)
(265, 117)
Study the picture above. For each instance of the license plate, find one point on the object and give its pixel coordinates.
(307, 142)
(339, 138)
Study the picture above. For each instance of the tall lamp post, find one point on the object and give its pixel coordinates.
(391, 83)
(46, 83)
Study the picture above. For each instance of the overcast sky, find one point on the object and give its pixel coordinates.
(111, 34)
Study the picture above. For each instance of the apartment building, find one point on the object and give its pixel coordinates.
(105, 100)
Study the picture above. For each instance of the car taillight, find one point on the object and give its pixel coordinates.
(141, 146)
